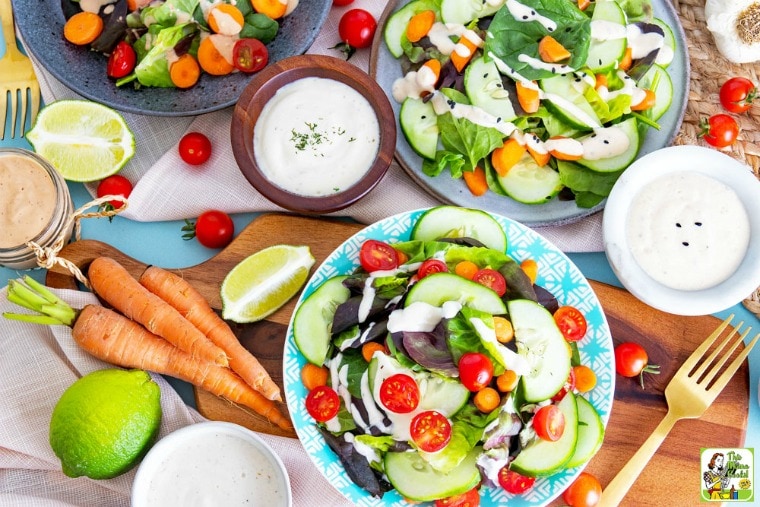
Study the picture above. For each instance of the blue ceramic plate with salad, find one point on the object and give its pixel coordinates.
(448, 363)
(542, 75)
(176, 29)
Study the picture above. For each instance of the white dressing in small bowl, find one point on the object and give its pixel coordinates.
(682, 230)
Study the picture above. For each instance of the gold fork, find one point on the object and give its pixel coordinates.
(688, 394)
(16, 78)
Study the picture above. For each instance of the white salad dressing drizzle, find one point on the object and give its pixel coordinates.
(442, 104)
(442, 36)
(687, 231)
(524, 13)
(316, 136)
(641, 43)
(603, 30)
(225, 22)
(420, 316)
(554, 68)
(414, 84)
(629, 88)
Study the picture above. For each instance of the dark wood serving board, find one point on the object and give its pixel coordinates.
(673, 475)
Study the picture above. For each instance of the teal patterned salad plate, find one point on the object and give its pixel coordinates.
(557, 274)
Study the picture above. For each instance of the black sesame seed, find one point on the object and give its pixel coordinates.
(532, 13)
(606, 141)
(498, 119)
(600, 62)
(678, 225)
(593, 135)
(685, 243)
(554, 71)
(525, 17)
(485, 75)
(423, 117)
(568, 29)
(698, 224)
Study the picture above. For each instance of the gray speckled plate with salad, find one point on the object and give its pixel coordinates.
(436, 148)
(403, 345)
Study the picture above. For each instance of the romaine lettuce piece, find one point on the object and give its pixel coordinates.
(153, 69)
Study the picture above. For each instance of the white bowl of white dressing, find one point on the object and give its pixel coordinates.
(211, 463)
(682, 230)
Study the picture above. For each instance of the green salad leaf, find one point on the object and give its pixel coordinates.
(153, 69)
(511, 37)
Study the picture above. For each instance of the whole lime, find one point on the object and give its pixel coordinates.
(105, 422)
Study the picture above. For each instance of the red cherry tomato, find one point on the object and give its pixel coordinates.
(341, 3)
(249, 55)
(549, 423)
(719, 130)
(468, 499)
(491, 279)
(737, 94)
(475, 371)
(431, 266)
(115, 185)
(430, 430)
(122, 60)
(514, 483)
(585, 491)
(214, 229)
(194, 148)
(571, 322)
(377, 256)
(567, 387)
(399, 393)
(322, 403)
(357, 28)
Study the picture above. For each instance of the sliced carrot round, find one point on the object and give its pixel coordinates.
(185, 71)
(226, 19)
(82, 28)
(275, 9)
(211, 60)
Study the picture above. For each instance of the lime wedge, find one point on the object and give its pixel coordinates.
(263, 282)
(83, 140)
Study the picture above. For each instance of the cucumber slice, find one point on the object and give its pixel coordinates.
(455, 222)
(394, 33)
(541, 343)
(590, 433)
(419, 124)
(543, 457)
(483, 85)
(438, 288)
(464, 11)
(603, 55)
(530, 183)
(562, 98)
(312, 323)
(619, 162)
(663, 91)
(415, 479)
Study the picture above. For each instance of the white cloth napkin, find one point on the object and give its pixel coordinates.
(38, 364)
(167, 189)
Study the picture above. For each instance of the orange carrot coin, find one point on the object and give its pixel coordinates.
(82, 28)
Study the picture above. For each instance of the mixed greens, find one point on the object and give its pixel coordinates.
(530, 99)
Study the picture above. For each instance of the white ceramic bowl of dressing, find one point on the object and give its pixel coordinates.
(682, 230)
(211, 463)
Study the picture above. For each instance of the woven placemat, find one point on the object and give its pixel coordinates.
(709, 70)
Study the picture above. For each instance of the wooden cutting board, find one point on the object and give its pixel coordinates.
(672, 476)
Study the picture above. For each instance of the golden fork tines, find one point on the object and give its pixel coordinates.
(691, 390)
(17, 80)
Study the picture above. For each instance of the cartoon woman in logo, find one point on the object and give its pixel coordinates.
(715, 478)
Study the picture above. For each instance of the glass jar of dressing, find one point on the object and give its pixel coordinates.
(35, 205)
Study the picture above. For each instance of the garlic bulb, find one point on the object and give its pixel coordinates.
(735, 25)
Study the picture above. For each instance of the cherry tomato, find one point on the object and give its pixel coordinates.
(571, 322)
(549, 423)
(399, 393)
(631, 359)
(720, 130)
(585, 491)
(249, 55)
(514, 483)
(475, 370)
(322, 403)
(115, 185)
(122, 60)
(376, 256)
(194, 148)
(430, 430)
(357, 28)
(737, 94)
(341, 3)
(468, 499)
(431, 266)
(491, 279)
(214, 229)
(568, 386)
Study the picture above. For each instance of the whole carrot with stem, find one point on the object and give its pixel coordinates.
(182, 296)
(118, 340)
(112, 282)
